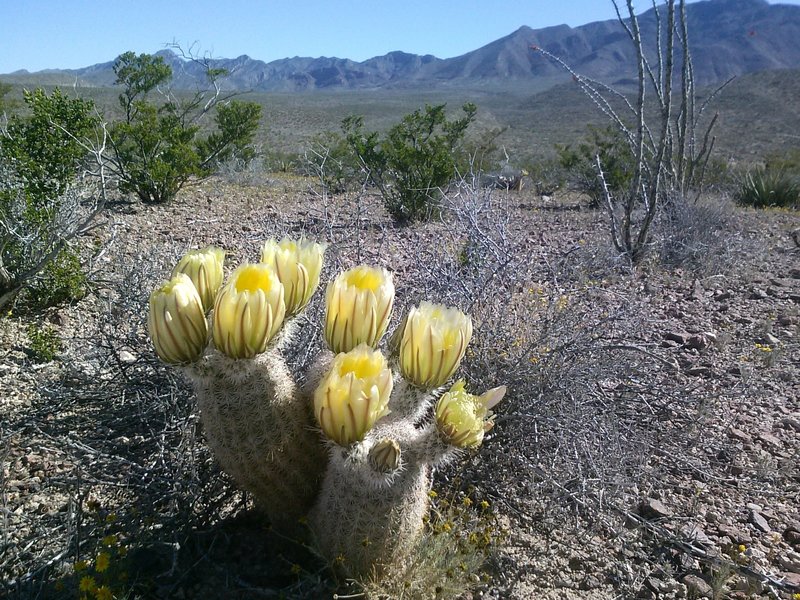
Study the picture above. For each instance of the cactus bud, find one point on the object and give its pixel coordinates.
(358, 305)
(384, 457)
(461, 417)
(176, 321)
(431, 343)
(204, 268)
(248, 312)
(353, 395)
(298, 265)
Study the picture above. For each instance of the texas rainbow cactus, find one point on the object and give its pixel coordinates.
(354, 449)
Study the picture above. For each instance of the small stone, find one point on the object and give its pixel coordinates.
(769, 439)
(698, 342)
(674, 336)
(792, 536)
(758, 294)
(759, 522)
(740, 435)
(754, 507)
(698, 586)
(695, 535)
(127, 357)
(591, 582)
(654, 509)
(736, 535)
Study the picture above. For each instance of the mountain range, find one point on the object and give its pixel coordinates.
(728, 38)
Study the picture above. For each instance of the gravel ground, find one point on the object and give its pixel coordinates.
(649, 446)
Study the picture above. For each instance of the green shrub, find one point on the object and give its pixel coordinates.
(62, 280)
(414, 160)
(44, 342)
(158, 148)
(767, 187)
(615, 157)
(39, 158)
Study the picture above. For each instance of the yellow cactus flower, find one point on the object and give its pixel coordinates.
(204, 268)
(177, 322)
(358, 306)
(298, 265)
(462, 418)
(432, 342)
(353, 395)
(248, 312)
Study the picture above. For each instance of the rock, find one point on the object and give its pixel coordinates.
(740, 435)
(769, 439)
(792, 536)
(674, 336)
(698, 586)
(758, 294)
(698, 342)
(127, 357)
(792, 579)
(754, 507)
(791, 423)
(652, 509)
(695, 535)
(736, 535)
(759, 522)
(591, 582)
(699, 371)
(769, 340)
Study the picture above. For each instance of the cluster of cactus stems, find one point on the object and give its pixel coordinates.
(352, 450)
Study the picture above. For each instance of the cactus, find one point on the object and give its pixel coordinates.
(354, 448)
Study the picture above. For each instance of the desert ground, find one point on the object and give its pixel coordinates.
(648, 447)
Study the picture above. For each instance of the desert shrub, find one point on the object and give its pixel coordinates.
(39, 203)
(281, 161)
(614, 153)
(62, 280)
(548, 175)
(159, 148)
(767, 187)
(414, 160)
(696, 235)
(44, 342)
(332, 160)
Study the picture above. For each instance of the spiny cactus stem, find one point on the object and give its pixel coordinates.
(408, 402)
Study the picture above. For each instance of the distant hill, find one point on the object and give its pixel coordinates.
(728, 37)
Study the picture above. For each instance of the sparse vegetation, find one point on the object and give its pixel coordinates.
(40, 204)
(651, 416)
(769, 187)
(158, 147)
(414, 161)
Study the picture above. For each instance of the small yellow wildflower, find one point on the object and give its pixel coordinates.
(109, 540)
(103, 593)
(296, 569)
(484, 504)
(102, 562)
(432, 494)
(466, 501)
(87, 584)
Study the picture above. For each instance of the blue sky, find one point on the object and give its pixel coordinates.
(40, 34)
